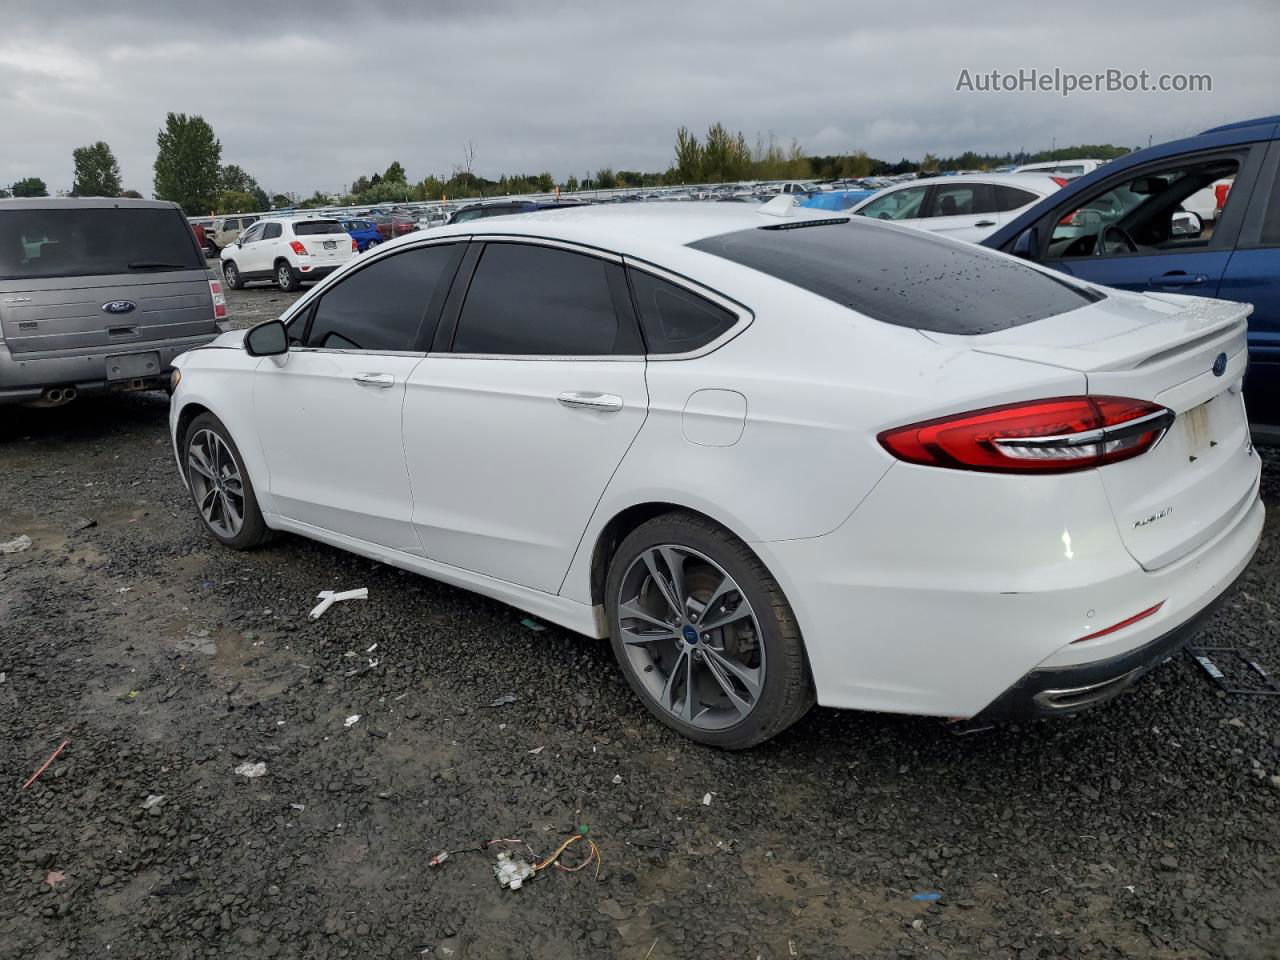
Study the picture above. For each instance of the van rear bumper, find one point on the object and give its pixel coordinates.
(25, 376)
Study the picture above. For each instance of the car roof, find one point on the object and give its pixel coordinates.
(89, 203)
(1241, 124)
(1042, 180)
(639, 229)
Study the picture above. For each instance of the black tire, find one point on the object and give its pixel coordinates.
(212, 249)
(787, 691)
(254, 532)
(231, 274)
(286, 278)
(370, 245)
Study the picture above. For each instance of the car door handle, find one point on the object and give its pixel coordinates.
(383, 380)
(602, 402)
(1178, 280)
(985, 223)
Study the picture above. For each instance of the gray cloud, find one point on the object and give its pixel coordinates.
(311, 97)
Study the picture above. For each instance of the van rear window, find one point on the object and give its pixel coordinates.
(95, 241)
(901, 275)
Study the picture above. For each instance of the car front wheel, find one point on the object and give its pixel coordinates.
(220, 485)
(704, 635)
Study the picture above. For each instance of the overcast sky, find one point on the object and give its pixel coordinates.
(313, 98)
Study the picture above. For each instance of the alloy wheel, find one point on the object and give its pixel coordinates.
(216, 483)
(691, 637)
(284, 277)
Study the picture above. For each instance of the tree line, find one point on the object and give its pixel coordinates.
(189, 170)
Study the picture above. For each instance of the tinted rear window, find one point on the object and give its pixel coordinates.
(309, 228)
(901, 276)
(84, 241)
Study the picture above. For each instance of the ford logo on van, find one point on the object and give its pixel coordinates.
(119, 306)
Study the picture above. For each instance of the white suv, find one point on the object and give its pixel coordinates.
(287, 251)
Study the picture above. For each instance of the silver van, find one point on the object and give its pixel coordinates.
(99, 295)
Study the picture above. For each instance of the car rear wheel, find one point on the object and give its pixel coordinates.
(286, 279)
(370, 245)
(220, 485)
(704, 634)
(232, 275)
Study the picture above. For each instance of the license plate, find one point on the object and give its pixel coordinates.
(331, 244)
(129, 366)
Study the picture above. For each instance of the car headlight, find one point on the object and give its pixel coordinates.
(175, 379)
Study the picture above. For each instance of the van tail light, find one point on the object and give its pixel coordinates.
(1058, 435)
(298, 248)
(219, 300)
(1060, 181)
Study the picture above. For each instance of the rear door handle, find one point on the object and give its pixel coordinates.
(1178, 280)
(602, 402)
(382, 380)
(985, 223)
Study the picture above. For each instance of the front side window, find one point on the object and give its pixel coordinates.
(676, 320)
(526, 300)
(1147, 214)
(381, 307)
(899, 205)
(252, 234)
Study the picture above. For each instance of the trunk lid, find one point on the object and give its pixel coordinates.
(70, 313)
(1185, 353)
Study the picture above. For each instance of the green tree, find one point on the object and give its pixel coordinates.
(187, 163)
(4, 194)
(571, 184)
(545, 182)
(30, 187)
(235, 177)
(97, 172)
(688, 165)
(131, 194)
(395, 173)
(317, 199)
(605, 179)
(361, 185)
(929, 164)
(237, 201)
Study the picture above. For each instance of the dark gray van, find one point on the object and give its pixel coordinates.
(97, 295)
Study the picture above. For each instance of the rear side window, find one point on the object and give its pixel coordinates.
(1011, 198)
(271, 231)
(961, 200)
(381, 307)
(676, 320)
(526, 300)
(905, 277)
(95, 241)
(311, 228)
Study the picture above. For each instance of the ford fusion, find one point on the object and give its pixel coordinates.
(774, 459)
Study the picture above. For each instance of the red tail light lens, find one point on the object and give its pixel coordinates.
(1060, 181)
(355, 247)
(298, 248)
(1059, 435)
(219, 300)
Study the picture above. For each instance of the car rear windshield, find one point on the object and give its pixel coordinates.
(309, 228)
(901, 275)
(94, 241)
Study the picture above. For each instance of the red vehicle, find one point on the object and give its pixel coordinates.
(200, 238)
(396, 225)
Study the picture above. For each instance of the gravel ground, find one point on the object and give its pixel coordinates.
(1146, 828)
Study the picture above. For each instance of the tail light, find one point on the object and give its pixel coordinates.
(298, 248)
(1059, 435)
(355, 247)
(1069, 220)
(219, 300)
(1060, 181)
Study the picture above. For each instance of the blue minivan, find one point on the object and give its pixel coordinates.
(1198, 216)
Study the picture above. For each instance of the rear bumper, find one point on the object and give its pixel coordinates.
(314, 271)
(26, 376)
(1062, 690)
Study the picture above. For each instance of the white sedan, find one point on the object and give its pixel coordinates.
(969, 207)
(773, 458)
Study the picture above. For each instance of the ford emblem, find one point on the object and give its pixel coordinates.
(1219, 364)
(119, 306)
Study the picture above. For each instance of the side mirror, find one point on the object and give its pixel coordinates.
(1186, 224)
(269, 339)
(1026, 244)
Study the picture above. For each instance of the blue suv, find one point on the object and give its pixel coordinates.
(1199, 216)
